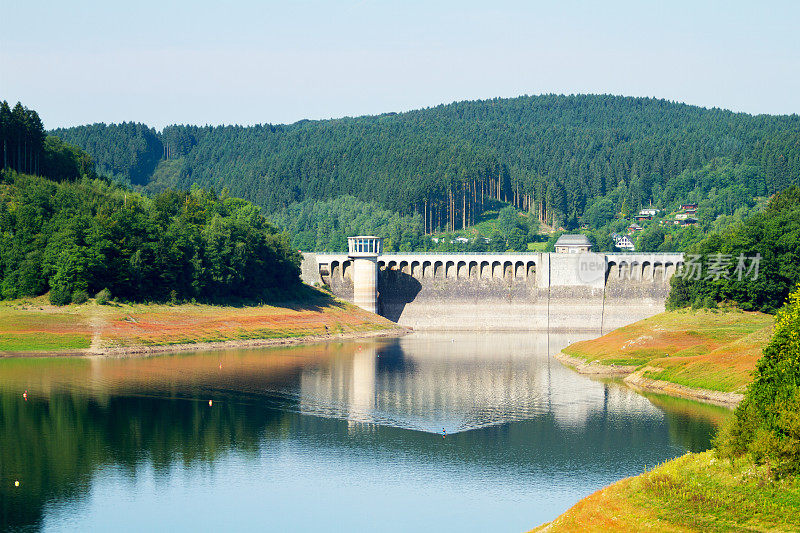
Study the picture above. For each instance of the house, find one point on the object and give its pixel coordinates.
(634, 228)
(623, 242)
(681, 216)
(686, 221)
(641, 218)
(688, 207)
(573, 244)
(650, 211)
(461, 240)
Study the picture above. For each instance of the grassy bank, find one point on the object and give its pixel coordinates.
(713, 350)
(33, 327)
(696, 492)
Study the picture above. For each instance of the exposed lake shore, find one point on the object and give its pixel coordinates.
(636, 379)
(708, 356)
(33, 328)
(701, 355)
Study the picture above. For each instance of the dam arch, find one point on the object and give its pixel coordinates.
(488, 291)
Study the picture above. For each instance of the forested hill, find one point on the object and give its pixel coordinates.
(551, 155)
(67, 232)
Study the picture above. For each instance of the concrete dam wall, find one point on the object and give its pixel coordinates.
(556, 292)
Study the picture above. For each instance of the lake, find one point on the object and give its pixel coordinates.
(446, 432)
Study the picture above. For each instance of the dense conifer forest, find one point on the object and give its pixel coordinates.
(567, 160)
(66, 231)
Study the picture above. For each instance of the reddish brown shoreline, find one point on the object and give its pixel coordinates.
(142, 350)
(636, 380)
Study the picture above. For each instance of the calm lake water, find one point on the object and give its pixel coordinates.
(332, 437)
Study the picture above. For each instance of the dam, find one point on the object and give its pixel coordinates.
(592, 292)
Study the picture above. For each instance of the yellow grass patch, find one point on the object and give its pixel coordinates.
(696, 492)
(705, 349)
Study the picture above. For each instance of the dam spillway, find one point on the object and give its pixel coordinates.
(491, 292)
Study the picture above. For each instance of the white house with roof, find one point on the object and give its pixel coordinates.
(623, 242)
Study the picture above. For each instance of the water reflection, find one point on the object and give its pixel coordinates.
(355, 424)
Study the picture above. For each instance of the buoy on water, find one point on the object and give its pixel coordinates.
(210, 403)
(25, 396)
(16, 483)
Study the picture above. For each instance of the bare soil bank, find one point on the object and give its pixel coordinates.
(207, 346)
(702, 355)
(32, 328)
(636, 379)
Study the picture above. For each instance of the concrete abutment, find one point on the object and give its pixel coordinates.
(542, 291)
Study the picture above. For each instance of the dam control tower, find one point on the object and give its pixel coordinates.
(363, 251)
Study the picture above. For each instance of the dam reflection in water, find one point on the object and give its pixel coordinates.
(342, 436)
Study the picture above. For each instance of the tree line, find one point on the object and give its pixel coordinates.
(552, 156)
(753, 264)
(75, 239)
(27, 148)
(65, 231)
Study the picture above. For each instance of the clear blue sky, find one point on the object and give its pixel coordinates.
(221, 62)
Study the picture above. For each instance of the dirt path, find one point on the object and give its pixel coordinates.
(96, 323)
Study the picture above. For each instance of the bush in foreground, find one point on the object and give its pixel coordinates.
(60, 296)
(766, 425)
(80, 297)
(103, 297)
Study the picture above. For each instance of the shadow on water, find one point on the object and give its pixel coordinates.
(85, 416)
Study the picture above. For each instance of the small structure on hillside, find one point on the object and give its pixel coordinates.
(650, 211)
(633, 228)
(573, 243)
(623, 242)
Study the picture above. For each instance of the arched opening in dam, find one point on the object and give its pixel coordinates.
(485, 292)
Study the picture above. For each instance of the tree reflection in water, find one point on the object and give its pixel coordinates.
(507, 412)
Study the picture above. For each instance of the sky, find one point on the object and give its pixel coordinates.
(227, 62)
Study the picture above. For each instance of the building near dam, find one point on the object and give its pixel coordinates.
(573, 244)
(583, 291)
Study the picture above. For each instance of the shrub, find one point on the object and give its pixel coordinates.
(766, 425)
(60, 295)
(103, 297)
(80, 297)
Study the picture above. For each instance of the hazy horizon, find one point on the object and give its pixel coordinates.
(254, 63)
(222, 124)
